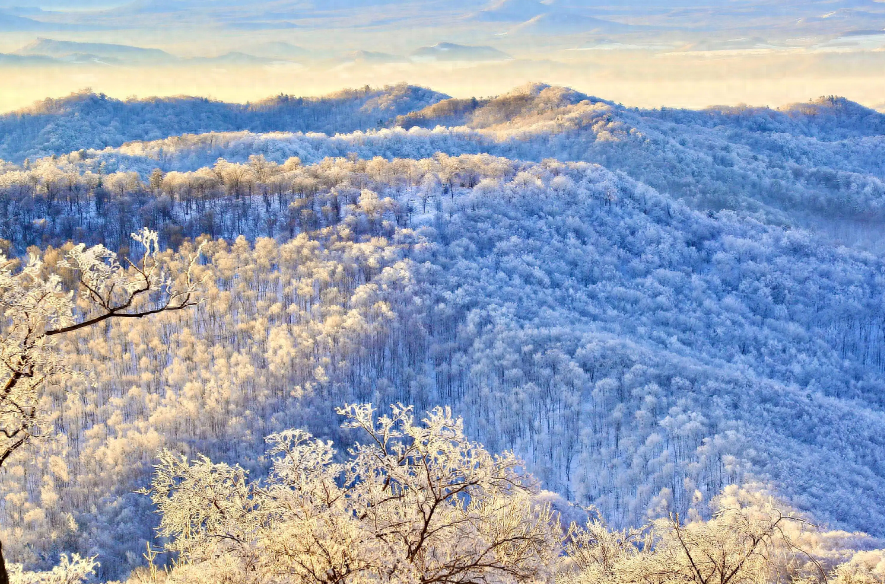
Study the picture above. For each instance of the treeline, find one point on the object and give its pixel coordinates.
(260, 198)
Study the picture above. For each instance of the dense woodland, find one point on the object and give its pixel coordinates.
(642, 333)
(88, 120)
(817, 165)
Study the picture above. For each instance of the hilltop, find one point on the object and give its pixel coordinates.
(817, 164)
(89, 120)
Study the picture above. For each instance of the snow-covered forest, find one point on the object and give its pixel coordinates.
(817, 165)
(660, 312)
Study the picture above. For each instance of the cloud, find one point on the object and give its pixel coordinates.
(15, 23)
(269, 25)
(453, 52)
(70, 5)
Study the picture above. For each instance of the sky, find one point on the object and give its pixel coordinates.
(646, 53)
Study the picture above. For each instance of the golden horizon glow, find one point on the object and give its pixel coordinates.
(644, 54)
(646, 81)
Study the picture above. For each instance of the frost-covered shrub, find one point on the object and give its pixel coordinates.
(70, 570)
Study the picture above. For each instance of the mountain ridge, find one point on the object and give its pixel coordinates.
(85, 113)
(59, 49)
(819, 163)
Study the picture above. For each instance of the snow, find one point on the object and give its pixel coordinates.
(644, 305)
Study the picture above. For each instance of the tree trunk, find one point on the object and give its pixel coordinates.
(4, 577)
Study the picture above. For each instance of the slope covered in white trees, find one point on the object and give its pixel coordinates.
(89, 120)
(642, 335)
(816, 165)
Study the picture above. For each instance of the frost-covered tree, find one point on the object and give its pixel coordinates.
(413, 502)
(70, 570)
(751, 538)
(865, 567)
(40, 302)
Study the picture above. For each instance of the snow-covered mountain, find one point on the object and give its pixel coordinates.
(817, 163)
(87, 120)
(646, 305)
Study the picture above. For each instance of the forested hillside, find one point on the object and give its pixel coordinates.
(643, 332)
(87, 120)
(818, 165)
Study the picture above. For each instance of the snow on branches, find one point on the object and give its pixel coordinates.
(70, 570)
(417, 502)
(36, 306)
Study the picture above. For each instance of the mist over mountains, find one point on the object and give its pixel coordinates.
(649, 53)
(48, 51)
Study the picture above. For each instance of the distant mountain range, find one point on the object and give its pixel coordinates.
(64, 50)
(277, 50)
(458, 21)
(45, 51)
(373, 57)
